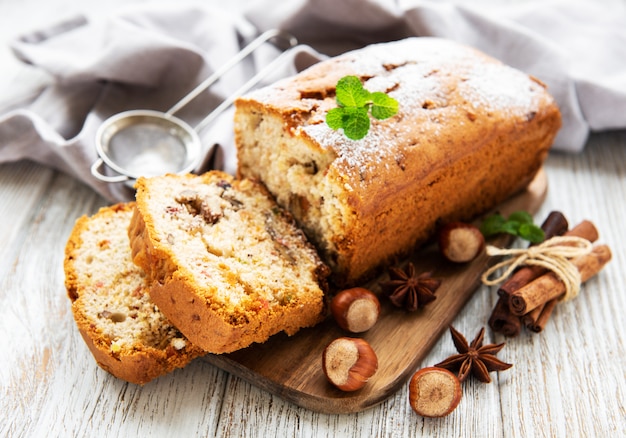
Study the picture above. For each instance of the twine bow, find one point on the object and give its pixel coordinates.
(553, 254)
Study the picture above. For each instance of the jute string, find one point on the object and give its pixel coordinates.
(553, 254)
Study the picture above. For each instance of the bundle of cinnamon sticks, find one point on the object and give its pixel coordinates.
(528, 297)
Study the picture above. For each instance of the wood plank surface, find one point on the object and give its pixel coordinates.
(290, 367)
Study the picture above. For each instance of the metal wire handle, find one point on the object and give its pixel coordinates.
(245, 87)
(257, 42)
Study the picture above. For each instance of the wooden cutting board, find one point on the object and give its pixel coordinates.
(290, 367)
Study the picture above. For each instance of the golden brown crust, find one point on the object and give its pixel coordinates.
(470, 132)
(138, 366)
(193, 305)
(74, 241)
(136, 361)
(212, 329)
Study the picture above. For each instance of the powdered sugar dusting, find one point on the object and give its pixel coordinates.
(355, 154)
(498, 87)
(436, 82)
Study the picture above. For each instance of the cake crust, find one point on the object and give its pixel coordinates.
(470, 132)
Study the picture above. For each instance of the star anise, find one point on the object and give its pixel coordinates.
(407, 289)
(476, 358)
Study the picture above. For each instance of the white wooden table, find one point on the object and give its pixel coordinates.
(568, 381)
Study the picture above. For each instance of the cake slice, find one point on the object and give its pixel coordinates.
(469, 133)
(125, 331)
(228, 265)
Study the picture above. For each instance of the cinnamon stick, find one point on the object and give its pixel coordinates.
(586, 229)
(539, 323)
(536, 319)
(554, 225)
(531, 317)
(549, 286)
(501, 319)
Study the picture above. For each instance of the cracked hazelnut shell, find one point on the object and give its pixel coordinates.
(349, 363)
(434, 392)
(355, 310)
(460, 242)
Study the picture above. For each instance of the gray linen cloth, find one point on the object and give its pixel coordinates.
(149, 56)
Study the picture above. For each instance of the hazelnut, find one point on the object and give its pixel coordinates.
(355, 310)
(461, 242)
(434, 392)
(348, 363)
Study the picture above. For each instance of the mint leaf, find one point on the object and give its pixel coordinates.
(522, 217)
(335, 118)
(350, 92)
(383, 106)
(492, 225)
(356, 124)
(519, 223)
(532, 233)
(354, 106)
(511, 227)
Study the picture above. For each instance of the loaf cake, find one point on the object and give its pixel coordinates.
(126, 333)
(228, 265)
(469, 133)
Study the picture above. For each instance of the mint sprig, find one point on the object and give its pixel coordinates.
(355, 105)
(519, 223)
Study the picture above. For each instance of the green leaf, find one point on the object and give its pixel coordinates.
(350, 92)
(518, 224)
(335, 118)
(383, 106)
(532, 233)
(355, 104)
(492, 225)
(357, 123)
(511, 227)
(522, 217)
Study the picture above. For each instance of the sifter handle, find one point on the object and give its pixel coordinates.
(111, 179)
(256, 43)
